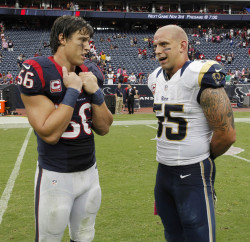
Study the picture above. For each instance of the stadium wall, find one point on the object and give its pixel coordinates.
(125, 15)
(238, 94)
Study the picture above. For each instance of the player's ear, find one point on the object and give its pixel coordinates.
(183, 46)
(61, 39)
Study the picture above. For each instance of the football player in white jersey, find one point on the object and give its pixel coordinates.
(196, 125)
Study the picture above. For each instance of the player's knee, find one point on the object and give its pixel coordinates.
(84, 235)
(57, 220)
(93, 201)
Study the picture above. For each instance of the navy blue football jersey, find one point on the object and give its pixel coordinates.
(75, 150)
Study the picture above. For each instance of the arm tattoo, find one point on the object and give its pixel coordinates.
(217, 109)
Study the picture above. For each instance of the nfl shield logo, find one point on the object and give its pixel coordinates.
(55, 86)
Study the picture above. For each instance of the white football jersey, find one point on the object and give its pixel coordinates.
(183, 135)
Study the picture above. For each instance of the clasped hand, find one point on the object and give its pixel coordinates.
(85, 80)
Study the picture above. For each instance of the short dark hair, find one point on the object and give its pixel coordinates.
(67, 25)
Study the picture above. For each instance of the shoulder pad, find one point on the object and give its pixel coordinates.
(210, 73)
(30, 79)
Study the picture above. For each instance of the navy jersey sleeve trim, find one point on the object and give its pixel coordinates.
(159, 72)
(187, 63)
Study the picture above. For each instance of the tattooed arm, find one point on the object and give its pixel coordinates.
(219, 114)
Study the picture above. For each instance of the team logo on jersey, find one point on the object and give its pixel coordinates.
(153, 86)
(164, 98)
(26, 66)
(217, 77)
(55, 86)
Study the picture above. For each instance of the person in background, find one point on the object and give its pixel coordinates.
(119, 99)
(130, 94)
(132, 78)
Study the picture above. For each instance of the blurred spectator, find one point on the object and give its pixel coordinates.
(10, 45)
(4, 45)
(120, 78)
(197, 54)
(119, 99)
(40, 52)
(11, 80)
(20, 60)
(202, 56)
(110, 68)
(132, 78)
(223, 58)
(108, 58)
(231, 42)
(103, 56)
(1, 57)
(124, 71)
(139, 53)
(125, 77)
(110, 78)
(197, 42)
(229, 59)
(228, 78)
(93, 50)
(218, 57)
(233, 56)
(9, 75)
(141, 78)
(135, 41)
(119, 71)
(98, 58)
(149, 42)
(71, 6)
(237, 74)
(45, 44)
(131, 42)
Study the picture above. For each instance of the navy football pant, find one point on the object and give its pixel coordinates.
(184, 198)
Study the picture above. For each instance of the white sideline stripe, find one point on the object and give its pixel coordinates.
(152, 127)
(10, 184)
(236, 156)
(22, 122)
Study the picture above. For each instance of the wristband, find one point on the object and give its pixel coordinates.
(97, 97)
(70, 97)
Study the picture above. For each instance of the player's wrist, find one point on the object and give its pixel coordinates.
(97, 97)
(70, 97)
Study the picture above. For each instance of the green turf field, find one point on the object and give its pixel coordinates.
(127, 168)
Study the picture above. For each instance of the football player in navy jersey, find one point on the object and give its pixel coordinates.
(64, 104)
(195, 125)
